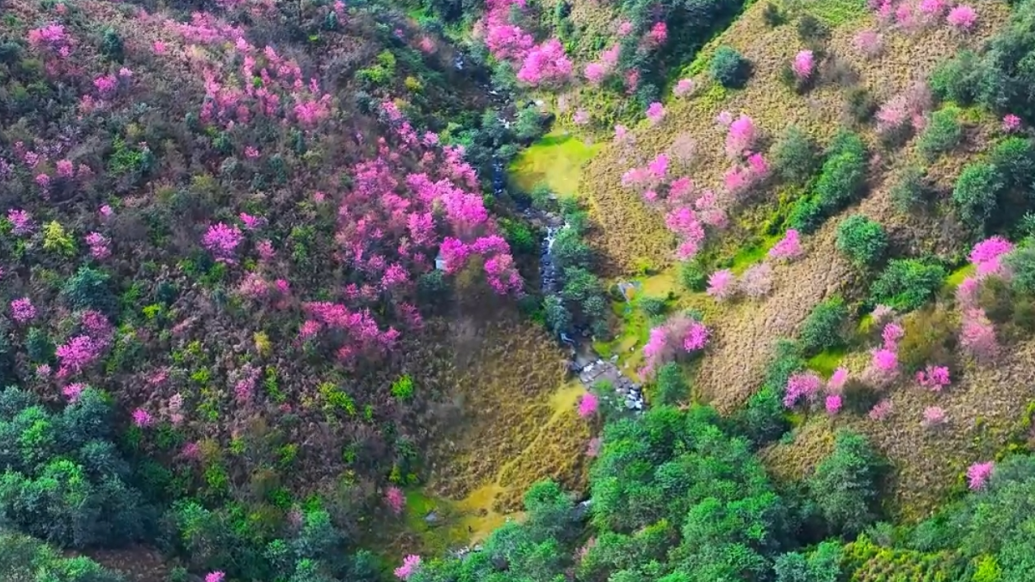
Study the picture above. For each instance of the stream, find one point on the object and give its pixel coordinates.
(584, 360)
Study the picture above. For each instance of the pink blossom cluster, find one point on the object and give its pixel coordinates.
(802, 386)
(934, 378)
(934, 416)
(962, 17)
(869, 43)
(1011, 123)
(903, 110)
(655, 113)
(77, 354)
(788, 248)
(142, 418)
(978, 475)
(98, 244)
(742, 177)
(362, 331)
(21, 222)
(683, 87)
(803, 65)
(22, 310)
(680, 334)
(722, 285)
(222, 241)
(545, 63)
(395, 500)
(986, 256)
(977, 335)
(891, 334)
(881, 410)
(588, 404)
(597, 71)
(217, 576)
(741, 136)
(409, 566)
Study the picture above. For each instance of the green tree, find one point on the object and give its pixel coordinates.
(844, 485)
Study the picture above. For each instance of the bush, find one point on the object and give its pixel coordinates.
(930, 336)
(1021, 263)
(844, 486)
(786, 360)
(942, 134)
(906, 284)
(860, 105)
(558, 318)
(794, 156)
(762, 420)
(64, 483)
(669, 386)
(821, 565)
(862, 240)
(976, 195)
(652, 306)
(25, 559)
(824, 327)
(956, 79)
(908, 190)
(843, 177)
(569, 250)
(729, 67)
(806, 216)
(773, 16)
(89, 289)
(812, 31)
(693, 277)
(1014, 158)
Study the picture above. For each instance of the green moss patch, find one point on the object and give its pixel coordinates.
(555, 160)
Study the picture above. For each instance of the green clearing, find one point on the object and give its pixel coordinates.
(555, 160)
(825, 362)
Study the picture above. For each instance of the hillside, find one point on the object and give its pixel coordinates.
(449, 290)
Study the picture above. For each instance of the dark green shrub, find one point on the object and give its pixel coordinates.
(669, 386)
(652, 306)
(908, 190)
(811, 31)
(569, 250)
(692, 276)
(824, 327)
(773, 16)
(862, 240)
(112, 46)
(843, 177)
(518, 236)
(906, 284)
(25, 559)
(844, 486)
(1021, 263)
(957, 79)
(89, 289)
(820, 565)
(729, 68)
(794, 156)
(558, 318)
(1014, 158)
(806, 216)
(976, 194)
(432, 288)
(762, 419)
(942, 134)
(39, 346)
(786, 360)
(63, 482)
(861, 106)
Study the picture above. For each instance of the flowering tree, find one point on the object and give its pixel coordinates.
(802, 386)
(788, 248)
(680, 334)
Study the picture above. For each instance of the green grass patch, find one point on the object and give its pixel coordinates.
(838, 12)
(826, 361)
(956, 277)
(555, 160)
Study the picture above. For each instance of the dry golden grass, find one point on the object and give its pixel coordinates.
(984, 407)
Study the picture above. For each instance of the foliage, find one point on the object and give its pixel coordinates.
(1021, 263)
(906, 284)
(729, 67)
(762, 419)
(794, 156)
(670, 387)
(942, 133)
(862, 239)
(692, 276)
(908, 190)
(89, 288)
(25, 559)
(844, 485)
(824, 327)
(842, 180)
(929, 336)
(957, 79)
(64, 481)
(976, 194)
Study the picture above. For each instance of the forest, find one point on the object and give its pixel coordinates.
(517, 290)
